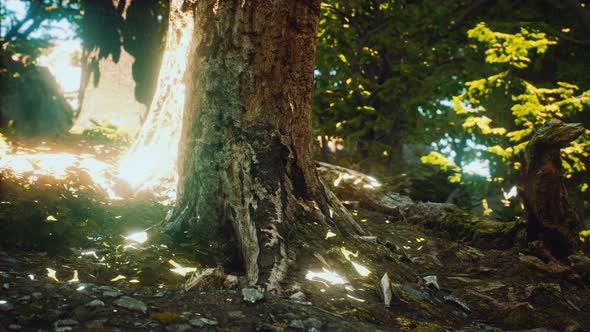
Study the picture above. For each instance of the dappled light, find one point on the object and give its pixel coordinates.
(294, 165)
(326, 276)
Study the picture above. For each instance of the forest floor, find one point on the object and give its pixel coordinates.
(102, 281)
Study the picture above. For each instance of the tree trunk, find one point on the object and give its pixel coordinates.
(552, 221)
(248, 183)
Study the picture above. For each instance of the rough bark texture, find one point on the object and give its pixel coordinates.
(248, 183)
(551, 218)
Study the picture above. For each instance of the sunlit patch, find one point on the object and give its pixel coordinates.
(119, 277)
(51, 274)
(182, 270)
(354, 298)
(347, 253)
(139, 237)
(90, 253)
(133, 281)
(31, 276)
(327, 276)
(330, 234)
(363, 271)
(81, 288)
(74, 277)
(420, 239)
(151, 161)
(3, 302)
(58, 166)
(50, 219)
(513, 192)
(360, 269)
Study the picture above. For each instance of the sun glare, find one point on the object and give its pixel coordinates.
(327, 276)
(150, 163)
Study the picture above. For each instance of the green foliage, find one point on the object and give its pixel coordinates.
(438, 159)
(107, 132)
(530, 106)
(512, 49)
(48, 214)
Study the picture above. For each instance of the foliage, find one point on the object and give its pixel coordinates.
(107, 132)
(530, 106)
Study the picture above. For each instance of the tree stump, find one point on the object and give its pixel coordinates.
(551, 220)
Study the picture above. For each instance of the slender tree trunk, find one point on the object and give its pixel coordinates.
(248, 183)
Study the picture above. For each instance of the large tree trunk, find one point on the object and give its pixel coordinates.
(248, 182)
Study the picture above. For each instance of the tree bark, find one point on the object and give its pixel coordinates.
(248, 184)
(552, 221)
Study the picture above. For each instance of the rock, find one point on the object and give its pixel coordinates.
(14, 327)
(65, 322)
(252, 295)
(161, 294)
(109, 291)
(131, 304)
(298, 296)
(297, 324)
(179, 328)
(95, 303)
(236, 314)
(63, 329)
(457, 302)
(202, 322)
(432, 281)
(5, 306)
(271, 328)
(386, 294)
(313, 322)
(25, 298)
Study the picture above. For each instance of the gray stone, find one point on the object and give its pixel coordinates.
(63, 329)
(271, 328)
(95, 303)
(14, 327)
(458, 302)
(131, 304)
(161, 294)
(297, 324)
(109, 291)
(202, 322)
(252, 295)
(25, 298)
(65, 322)
(298, 296)
(236, 314)
(6, 306)
(313, 322)
(179, 328)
